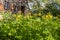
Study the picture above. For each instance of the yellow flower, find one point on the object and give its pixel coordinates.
(50, 16)
(47, 16)
(18, 16)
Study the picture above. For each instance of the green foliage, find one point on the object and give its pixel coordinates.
(29, 28)
(52, 8)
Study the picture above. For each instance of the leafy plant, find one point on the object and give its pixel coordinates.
(32, 28)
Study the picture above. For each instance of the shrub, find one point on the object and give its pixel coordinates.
(32, 28)
(53, 8)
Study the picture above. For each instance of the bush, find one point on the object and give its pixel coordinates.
(18, 27)
(52, 8)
